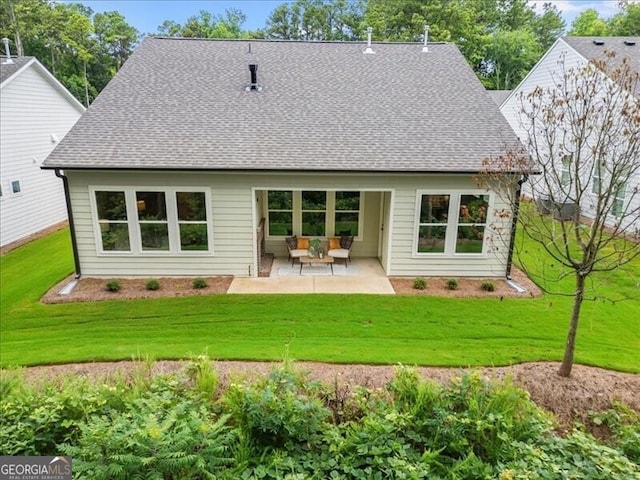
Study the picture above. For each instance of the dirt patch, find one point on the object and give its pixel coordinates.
(572, 399)
(468, 287)
(94, 289)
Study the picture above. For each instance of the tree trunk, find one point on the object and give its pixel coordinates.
(16, 34)
(567, 361)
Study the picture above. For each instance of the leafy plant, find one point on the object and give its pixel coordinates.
(152, 284)
(487, 286)
(452, 284)
(199, 283)
(203, 375)
(419, 284)
(113, 286)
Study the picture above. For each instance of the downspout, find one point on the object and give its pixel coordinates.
(72, 228)
(514, 224)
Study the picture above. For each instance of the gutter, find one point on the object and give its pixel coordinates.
(72, 228)
(514, 224)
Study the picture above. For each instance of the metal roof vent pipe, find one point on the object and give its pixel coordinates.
(5, 40)
(253, 68)
(426, 38)
(369, 49)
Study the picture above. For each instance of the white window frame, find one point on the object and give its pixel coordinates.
(11, 192)
(565, 170)
(133, 221)
(452, 224)
(329, 212)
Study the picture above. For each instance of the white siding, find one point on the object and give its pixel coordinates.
(542, 75)
(234, 201)
(31, 110)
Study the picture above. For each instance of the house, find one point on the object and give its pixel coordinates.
(575, 52)
(36, 112)
(199, 154)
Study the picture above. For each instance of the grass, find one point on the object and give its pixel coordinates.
(331, 328)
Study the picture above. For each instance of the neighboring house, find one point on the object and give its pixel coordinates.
(173, 168)
(36, 112)
(577, 52)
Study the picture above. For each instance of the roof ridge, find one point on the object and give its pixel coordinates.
(278, 40)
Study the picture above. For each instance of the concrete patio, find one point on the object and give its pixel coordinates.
(363, 275)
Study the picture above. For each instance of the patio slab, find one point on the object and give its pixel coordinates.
(369, 279)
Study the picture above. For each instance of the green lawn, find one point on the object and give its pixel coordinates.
(331, 328)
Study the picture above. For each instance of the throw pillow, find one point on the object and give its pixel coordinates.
(292, 242)
(303, 243)
(334, 243)
(345, 242)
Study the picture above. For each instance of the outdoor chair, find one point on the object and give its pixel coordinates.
(341, 248)
(296, 247)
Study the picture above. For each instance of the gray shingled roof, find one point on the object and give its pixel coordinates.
(8, 69)
(182, 104)
(498, 96)
(594, 47)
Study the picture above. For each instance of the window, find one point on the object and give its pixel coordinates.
(472, 220)
(280, 212)
(618, 202)
(451, 224)
(432, 227)
(152, 221)
(15, 186)
(314, 213)
(565, 173)
(112, 221)
(192, 220)
(347, 213)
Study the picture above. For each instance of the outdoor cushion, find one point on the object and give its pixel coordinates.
(292, 242)
(334, 243)
(303, 243)
(338, 253)
(298, 252)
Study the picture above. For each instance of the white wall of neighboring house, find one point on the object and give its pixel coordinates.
(35, 113)
(542, 75)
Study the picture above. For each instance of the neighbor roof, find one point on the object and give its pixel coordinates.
(182, 104)
(9, 69)
(594, 48)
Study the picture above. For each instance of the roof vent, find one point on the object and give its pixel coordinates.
(253, 68)
(369, 49)
(5, 40)
(426, 38)
(629, 43)
(598, 42)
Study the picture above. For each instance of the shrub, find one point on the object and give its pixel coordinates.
(152, 284)
(113, 286)
(419, 284)
(487, 286)
(199, 283)
(452, 284)
(203, 375)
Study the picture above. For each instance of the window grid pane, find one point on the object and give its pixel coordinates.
(280, 213)
(433, 222)
(314, 221)
(112, 220)
(472, 220)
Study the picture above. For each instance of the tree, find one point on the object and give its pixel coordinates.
(509, 57)
(208, 25)
(589, 23)
(549, 26)
(316, 20)
(116, 36)
(627, 22)
(584, 137)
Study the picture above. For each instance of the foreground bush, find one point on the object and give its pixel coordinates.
(184, 426)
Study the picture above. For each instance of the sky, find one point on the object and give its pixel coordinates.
(147, 15)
